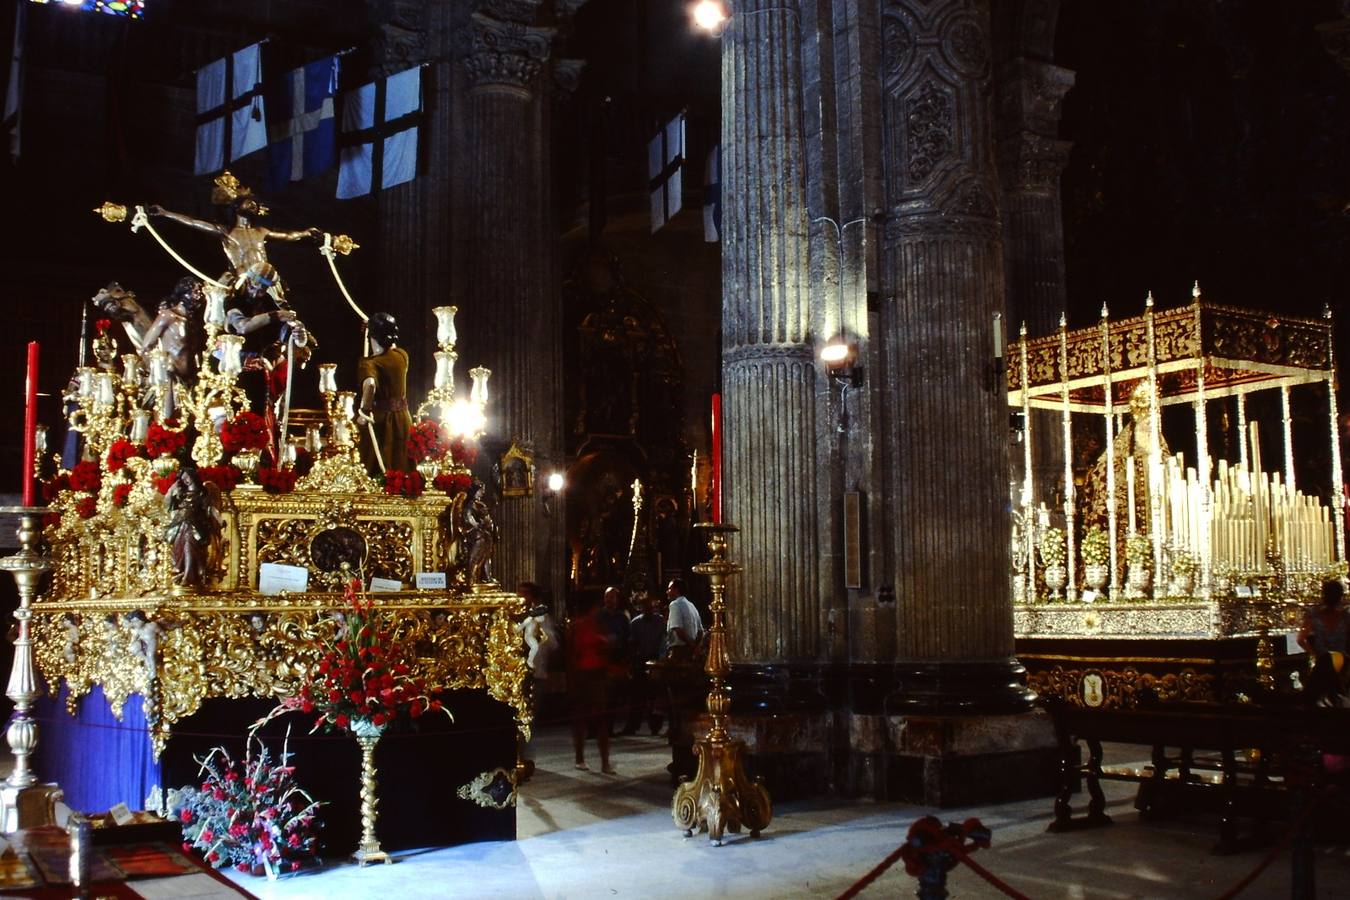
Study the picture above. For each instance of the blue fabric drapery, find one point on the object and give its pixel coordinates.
(97, 760)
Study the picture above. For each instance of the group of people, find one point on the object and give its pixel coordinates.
(605, 653)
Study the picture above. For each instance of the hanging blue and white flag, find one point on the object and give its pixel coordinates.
(14, 90)
(301, 131)
(230, 121)
(379, 134)
(665, 179)
(712, 196)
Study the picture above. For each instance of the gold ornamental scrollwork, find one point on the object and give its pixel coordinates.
(184, 649)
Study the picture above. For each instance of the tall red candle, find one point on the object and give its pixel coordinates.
(716, 435)
(30, 424)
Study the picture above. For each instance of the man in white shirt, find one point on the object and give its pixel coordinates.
(684, 628)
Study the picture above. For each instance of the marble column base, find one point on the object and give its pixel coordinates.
(953, 760)
(960, 688)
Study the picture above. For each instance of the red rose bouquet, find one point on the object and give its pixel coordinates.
(277, 481)
(453, 484)
(161, 440)
(404, 484)
(224, 477)
(363, 680)
(463, 453)
(121, 451)
(86, 477)
(248, 815)
(425, 442)
(246, 431)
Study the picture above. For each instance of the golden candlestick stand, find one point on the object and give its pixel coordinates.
(721, 796)
(24, 803)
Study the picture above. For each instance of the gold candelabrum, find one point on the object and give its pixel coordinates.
(368, 850)
(721, 796)
(441, 397)
(24, 802)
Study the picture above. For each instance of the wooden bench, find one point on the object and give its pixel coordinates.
(1289, 742)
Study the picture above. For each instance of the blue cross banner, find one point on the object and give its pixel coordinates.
(665, 177)
(301, 129)
(379, 134)
(229, 110)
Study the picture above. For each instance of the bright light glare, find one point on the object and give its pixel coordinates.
(555, 481)
(465, 419)
(836, 351)
(709, 14)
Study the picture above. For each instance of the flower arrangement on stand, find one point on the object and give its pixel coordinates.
(250, 815)
(1096, 551)
(1183, 567)
(426, 441)
(1052, 549)
(363, 684)
(1139, 562)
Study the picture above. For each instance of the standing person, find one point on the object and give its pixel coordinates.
(684, 627)
(588, 683)
(614, 621)
(647, 634)
(541, 642)
(1326, 636)
(384, 398)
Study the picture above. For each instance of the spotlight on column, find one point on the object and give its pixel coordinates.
(709, 15)
(556, 482)
(839, 357)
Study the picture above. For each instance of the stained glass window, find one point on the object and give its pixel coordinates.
(132, 9)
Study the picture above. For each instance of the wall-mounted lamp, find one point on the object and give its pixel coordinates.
(710, 15)
(840, 358)
(555, 483)
(996, 368)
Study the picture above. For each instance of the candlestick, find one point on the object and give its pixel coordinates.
(715, 436)
(30, 424)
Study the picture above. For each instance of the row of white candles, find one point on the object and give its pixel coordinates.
(1249, 509)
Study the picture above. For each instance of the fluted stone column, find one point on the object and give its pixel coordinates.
(947, 435)
(768, 368)
(510, 307)
(1031, 159)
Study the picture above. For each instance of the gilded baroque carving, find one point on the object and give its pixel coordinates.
(1121, 688)
(253, 646)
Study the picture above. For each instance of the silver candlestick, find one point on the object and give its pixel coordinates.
(24, 803)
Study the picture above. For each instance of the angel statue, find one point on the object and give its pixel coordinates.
(478, 540)
(193, 532)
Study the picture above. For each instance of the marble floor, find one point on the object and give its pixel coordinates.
(587, 835)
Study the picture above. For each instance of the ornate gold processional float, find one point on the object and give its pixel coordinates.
(1161, 574)
(199, 550)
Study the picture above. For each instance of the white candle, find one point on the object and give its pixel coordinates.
(1129, 491)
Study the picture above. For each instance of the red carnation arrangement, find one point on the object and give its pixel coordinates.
(246, 431)
(425, 442)
(85, 507)
(86, 477)
(120, 494)
(464, 453)
(165, 482)
(162, 440)
(453, 484)
(363, 680)
(224, 477)
(121, 451)
(404, 484)
(277, 481)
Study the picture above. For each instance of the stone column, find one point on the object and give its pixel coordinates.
(1031, 159)
(509, 303)
(769, 373)
(947, 437)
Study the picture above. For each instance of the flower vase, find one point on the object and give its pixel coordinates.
(1095, 575)
(164, 465)
(428, 469)
(368, 850)
(1181, 584)
(1136, 581)
(1056, 576)
(246, 461)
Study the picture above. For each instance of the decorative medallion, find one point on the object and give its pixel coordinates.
(928, 115)
(495, 789)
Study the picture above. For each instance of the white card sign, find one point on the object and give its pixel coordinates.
(273, 578)
(385, 585)
(121, 814)
(431, 581)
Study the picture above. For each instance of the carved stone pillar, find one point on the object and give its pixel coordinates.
(509, 300)
(948, 434)
(1031, 159)
(769, 372)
